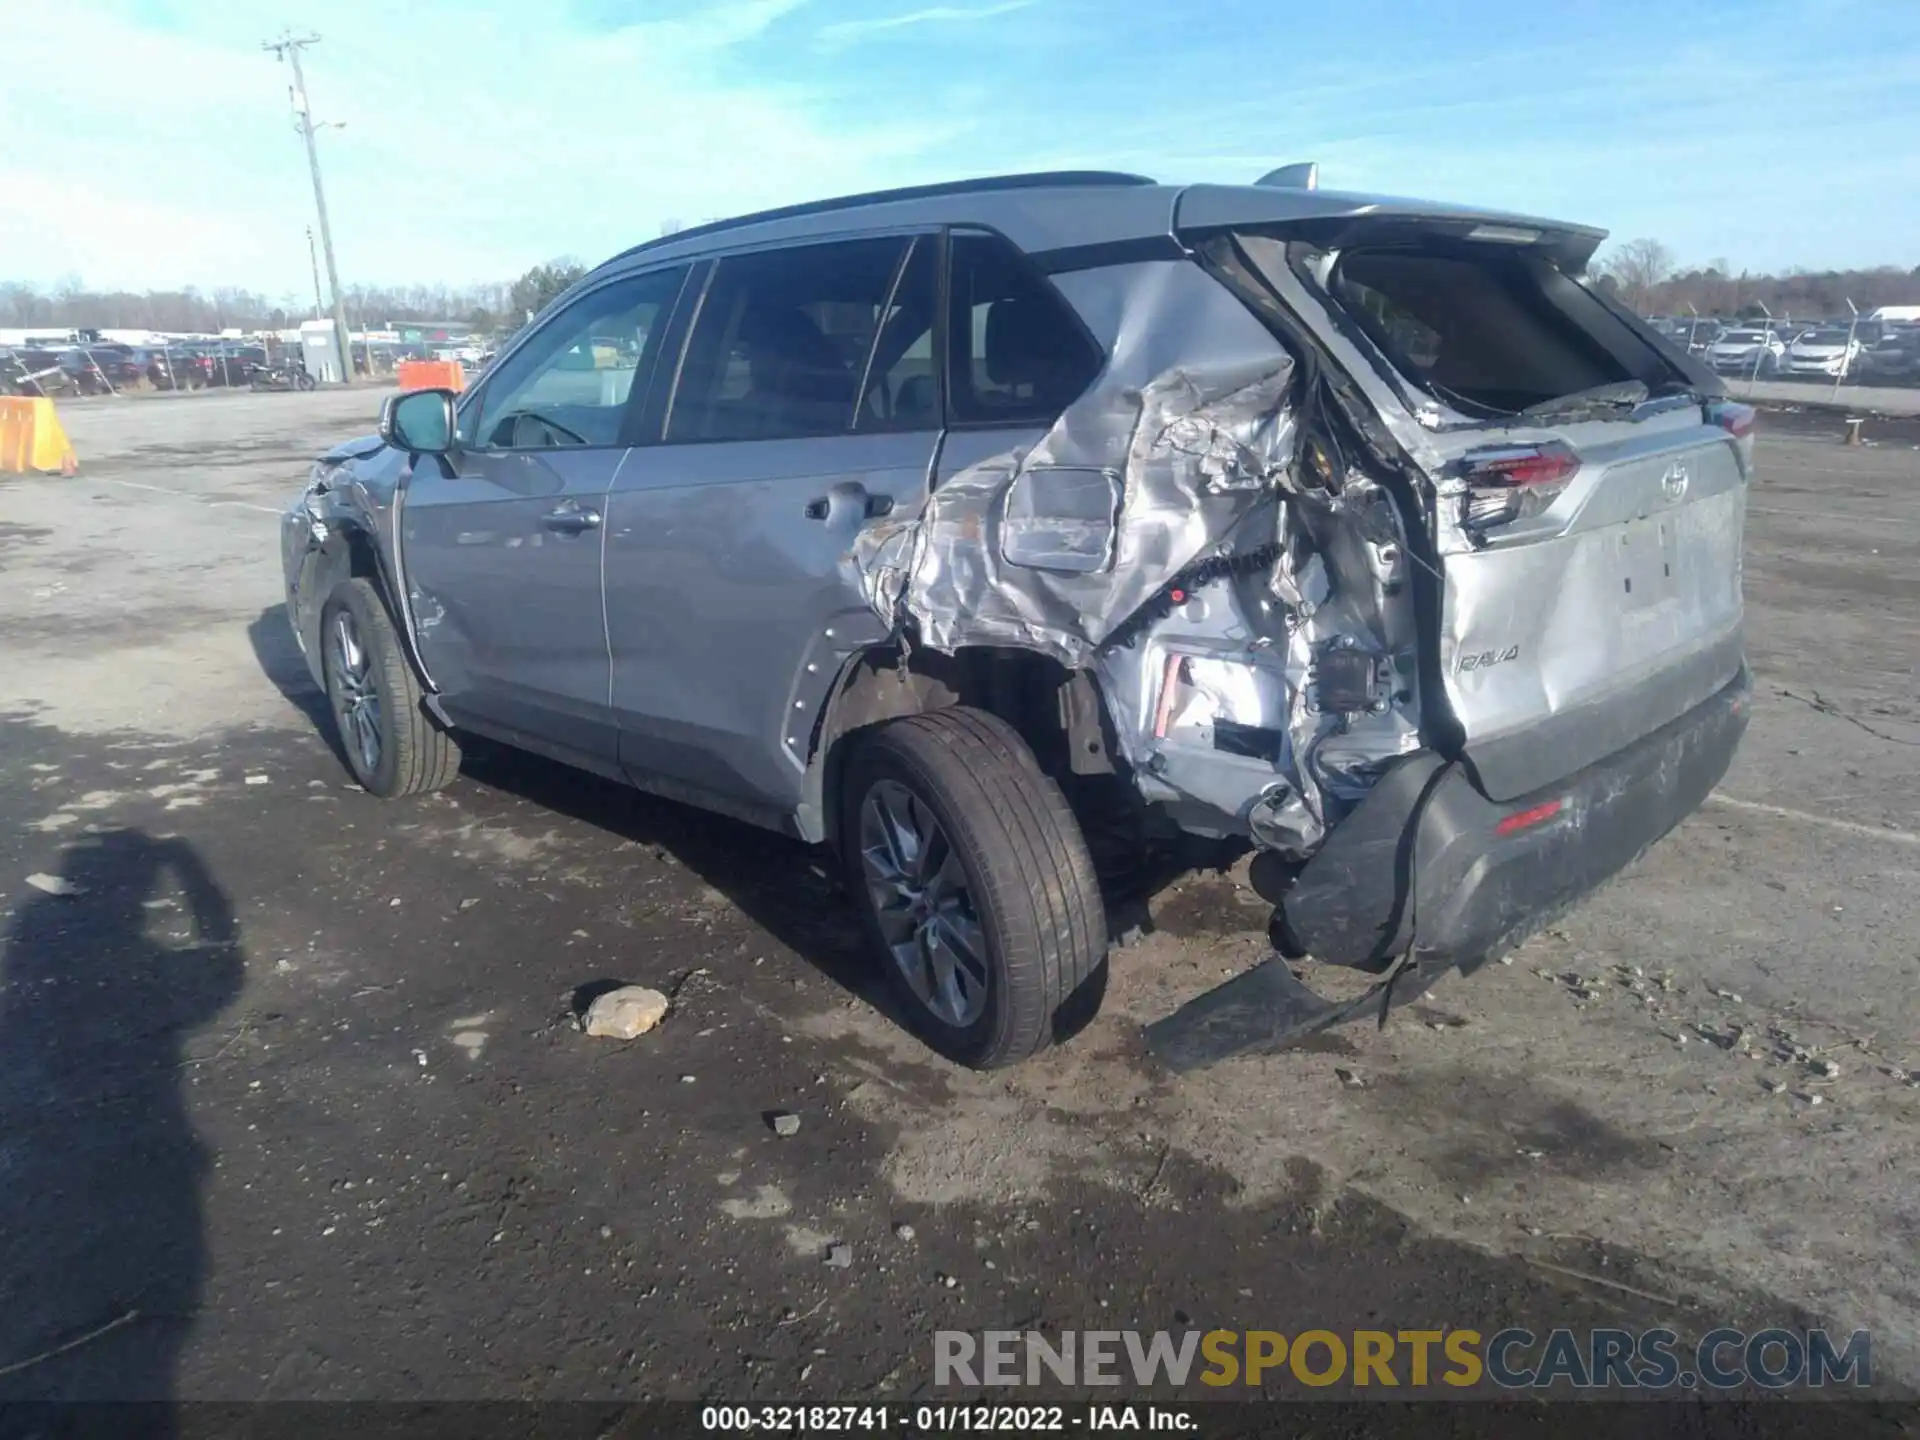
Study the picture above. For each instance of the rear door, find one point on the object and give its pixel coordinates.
(804, 408)
(1586, 496)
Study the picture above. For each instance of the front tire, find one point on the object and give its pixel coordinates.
(974, 883)
(392, 745)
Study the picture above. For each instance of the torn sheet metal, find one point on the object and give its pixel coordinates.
(1171, 534)
(349, 489)
(1269, 701)
(1053, 547)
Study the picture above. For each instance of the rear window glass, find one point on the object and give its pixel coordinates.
(1477, 332)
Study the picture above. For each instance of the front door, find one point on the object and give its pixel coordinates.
(502, 541)
(806, 408)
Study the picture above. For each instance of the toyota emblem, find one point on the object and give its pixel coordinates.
(1674, 482)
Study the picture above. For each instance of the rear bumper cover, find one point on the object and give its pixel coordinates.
(1427, 868)
(1419, 880)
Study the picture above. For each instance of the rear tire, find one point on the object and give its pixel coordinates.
(974, 883)
(393, 746)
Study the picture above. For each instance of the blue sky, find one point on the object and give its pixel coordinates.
(149, 142)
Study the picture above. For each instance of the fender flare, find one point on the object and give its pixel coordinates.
(351, 551)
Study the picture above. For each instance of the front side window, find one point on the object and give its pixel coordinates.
(570, 383)
(783, 340)
(1015, 353)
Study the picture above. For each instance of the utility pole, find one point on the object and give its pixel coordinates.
(288, 48)
(313, 259)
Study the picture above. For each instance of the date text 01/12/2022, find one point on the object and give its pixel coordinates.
(941, 1419)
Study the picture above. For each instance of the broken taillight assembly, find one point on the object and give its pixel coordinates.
(1514, 481)
(1736, 420)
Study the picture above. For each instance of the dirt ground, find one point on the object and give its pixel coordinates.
(291, 1099)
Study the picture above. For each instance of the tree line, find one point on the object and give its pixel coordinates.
(1647, 275)
(490, 307)
(1644, 273)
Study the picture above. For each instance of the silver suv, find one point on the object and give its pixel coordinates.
(980, 530)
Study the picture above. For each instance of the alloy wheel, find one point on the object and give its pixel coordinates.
(356, 699)
(919, 895)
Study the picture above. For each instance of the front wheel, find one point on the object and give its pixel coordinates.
(392, 745)
(975, 886)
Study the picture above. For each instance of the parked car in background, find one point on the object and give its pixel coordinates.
(1747, 351)
(44, 368)
(1892, 360)
(1827, 353)
(89, 373)
(30, 371)
(113, 364)
(982, 518)
(1689, 334)
(181, 367)
(1706, 334)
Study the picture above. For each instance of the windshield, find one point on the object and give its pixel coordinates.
(1825, 337)
(1741, 337)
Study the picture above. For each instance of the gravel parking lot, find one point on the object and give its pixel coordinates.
(292, 1081)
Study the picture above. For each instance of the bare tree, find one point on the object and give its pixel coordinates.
(1637, 267)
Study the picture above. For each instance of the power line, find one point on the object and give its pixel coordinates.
(288, 48)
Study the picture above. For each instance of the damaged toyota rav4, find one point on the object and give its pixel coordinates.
(984, 532)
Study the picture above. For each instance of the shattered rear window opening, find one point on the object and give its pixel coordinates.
(1473, 331)
(1488, 331)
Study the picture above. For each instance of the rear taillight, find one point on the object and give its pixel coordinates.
(1514, 481)
(1736, 420)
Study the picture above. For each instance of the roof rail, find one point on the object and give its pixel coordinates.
(1039, 180)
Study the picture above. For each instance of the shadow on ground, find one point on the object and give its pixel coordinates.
(103, 1255)
(278, 655)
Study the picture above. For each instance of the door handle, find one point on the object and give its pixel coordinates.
(872, 506)
(571, 520)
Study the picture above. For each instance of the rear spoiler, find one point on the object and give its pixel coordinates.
(1333, 218)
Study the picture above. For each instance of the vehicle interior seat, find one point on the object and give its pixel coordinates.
(1029, 356)
(798, 383)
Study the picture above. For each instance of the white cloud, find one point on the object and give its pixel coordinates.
(475, 144)
(846, 30)
(483, 136)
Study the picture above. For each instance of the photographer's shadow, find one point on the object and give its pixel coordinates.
(102, 1253)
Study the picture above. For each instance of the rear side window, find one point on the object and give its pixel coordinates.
(903, 392)
(1478, 332)
(1016, 353)
(782, 342)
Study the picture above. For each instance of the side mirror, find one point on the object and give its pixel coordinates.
(420, 422)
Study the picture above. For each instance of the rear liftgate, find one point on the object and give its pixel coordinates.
(1645, 703)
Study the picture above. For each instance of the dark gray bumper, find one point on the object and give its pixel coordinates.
(1422, 863)
(1422, 868)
